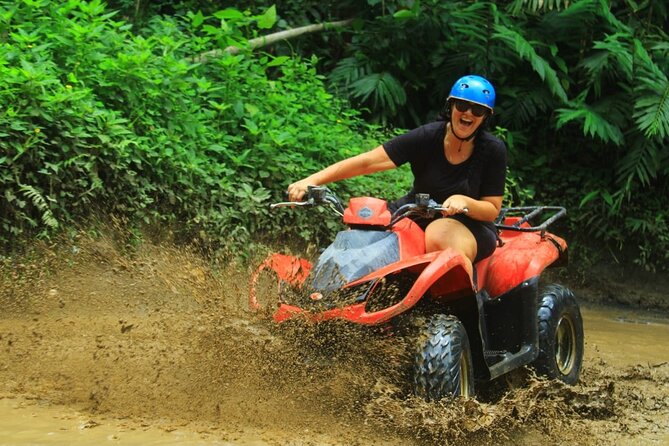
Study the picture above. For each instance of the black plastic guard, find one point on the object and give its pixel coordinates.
(508, 327)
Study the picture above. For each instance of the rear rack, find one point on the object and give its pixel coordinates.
(526, 213)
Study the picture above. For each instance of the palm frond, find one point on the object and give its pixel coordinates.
(382, 88)
(593, 121)
(662, 47)
(619, 50)
(596, 66)
(610, 18)
(525, 50)
(349, 70)
(651, 90)
(533, 6)
(641, 162)
(526, 104)
(569, 23)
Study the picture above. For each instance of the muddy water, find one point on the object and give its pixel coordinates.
(30, 422)
(159, 349)
(624, 337)
(621, 338)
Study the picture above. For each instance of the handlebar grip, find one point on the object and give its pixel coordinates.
(441, 208)
(284, 204)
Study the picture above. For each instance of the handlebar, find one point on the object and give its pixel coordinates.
(316, 195)
(426, 207)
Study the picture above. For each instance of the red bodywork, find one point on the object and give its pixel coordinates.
(442, 275)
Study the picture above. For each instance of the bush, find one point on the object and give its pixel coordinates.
(97, 118)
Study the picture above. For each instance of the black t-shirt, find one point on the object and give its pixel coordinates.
(481, 175)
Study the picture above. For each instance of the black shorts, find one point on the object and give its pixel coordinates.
(484, 232)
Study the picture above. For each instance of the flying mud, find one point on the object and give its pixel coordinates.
(152, 340)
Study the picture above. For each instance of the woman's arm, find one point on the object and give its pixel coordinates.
(484, 209)
(375, 160)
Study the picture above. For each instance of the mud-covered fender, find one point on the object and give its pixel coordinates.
(293, 270)
(524, 255)
(443, 272)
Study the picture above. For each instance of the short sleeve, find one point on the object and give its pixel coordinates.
(405, 148)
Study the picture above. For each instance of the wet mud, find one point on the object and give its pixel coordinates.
(157, 344)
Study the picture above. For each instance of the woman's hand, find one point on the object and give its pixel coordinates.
(483, 209)
(455, 204)
(298, 189)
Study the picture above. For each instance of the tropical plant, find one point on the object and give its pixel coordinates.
(98, 119)
(578, 82)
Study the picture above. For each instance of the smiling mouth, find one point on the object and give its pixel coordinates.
(466, 122)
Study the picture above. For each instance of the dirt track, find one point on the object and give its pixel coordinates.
(156, 343)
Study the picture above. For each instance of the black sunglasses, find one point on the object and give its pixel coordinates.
(463, 106)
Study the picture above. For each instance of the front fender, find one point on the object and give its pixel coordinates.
(292, 270)
(440, 273)
(443, 272)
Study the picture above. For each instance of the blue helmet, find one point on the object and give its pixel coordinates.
(474, 89)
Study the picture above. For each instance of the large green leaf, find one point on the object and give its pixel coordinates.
(642, 162)
(651, 90)
(593, 122)
(382, 88)
(525, 50)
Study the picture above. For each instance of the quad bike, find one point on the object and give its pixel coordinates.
(479, 322)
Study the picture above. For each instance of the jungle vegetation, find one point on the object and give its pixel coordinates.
(136, 109)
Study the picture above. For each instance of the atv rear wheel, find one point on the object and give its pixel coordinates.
(560, 335)
(443, 363)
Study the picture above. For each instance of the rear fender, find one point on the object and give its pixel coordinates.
(523, 256)
(289, 269)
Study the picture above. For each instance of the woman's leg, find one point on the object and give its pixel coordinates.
(450, 233)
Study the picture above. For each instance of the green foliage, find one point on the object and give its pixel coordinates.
(96, 118)
(518, 6)
(583, 103)
(525, 49)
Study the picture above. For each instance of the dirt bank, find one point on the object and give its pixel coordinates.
(618, 285)
(157, 340)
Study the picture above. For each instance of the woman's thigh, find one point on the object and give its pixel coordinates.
(449, 233)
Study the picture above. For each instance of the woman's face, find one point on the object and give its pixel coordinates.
(466, 117)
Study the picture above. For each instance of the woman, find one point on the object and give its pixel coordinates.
(454, 161)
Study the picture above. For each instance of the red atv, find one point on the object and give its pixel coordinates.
(479, 323)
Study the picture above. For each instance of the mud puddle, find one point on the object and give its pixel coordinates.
(157, 348)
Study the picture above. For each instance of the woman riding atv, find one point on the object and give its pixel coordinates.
(454, 160)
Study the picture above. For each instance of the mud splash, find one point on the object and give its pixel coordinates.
(159, 339)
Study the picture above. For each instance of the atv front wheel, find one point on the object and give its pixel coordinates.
(560, 335)
(443, 364)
